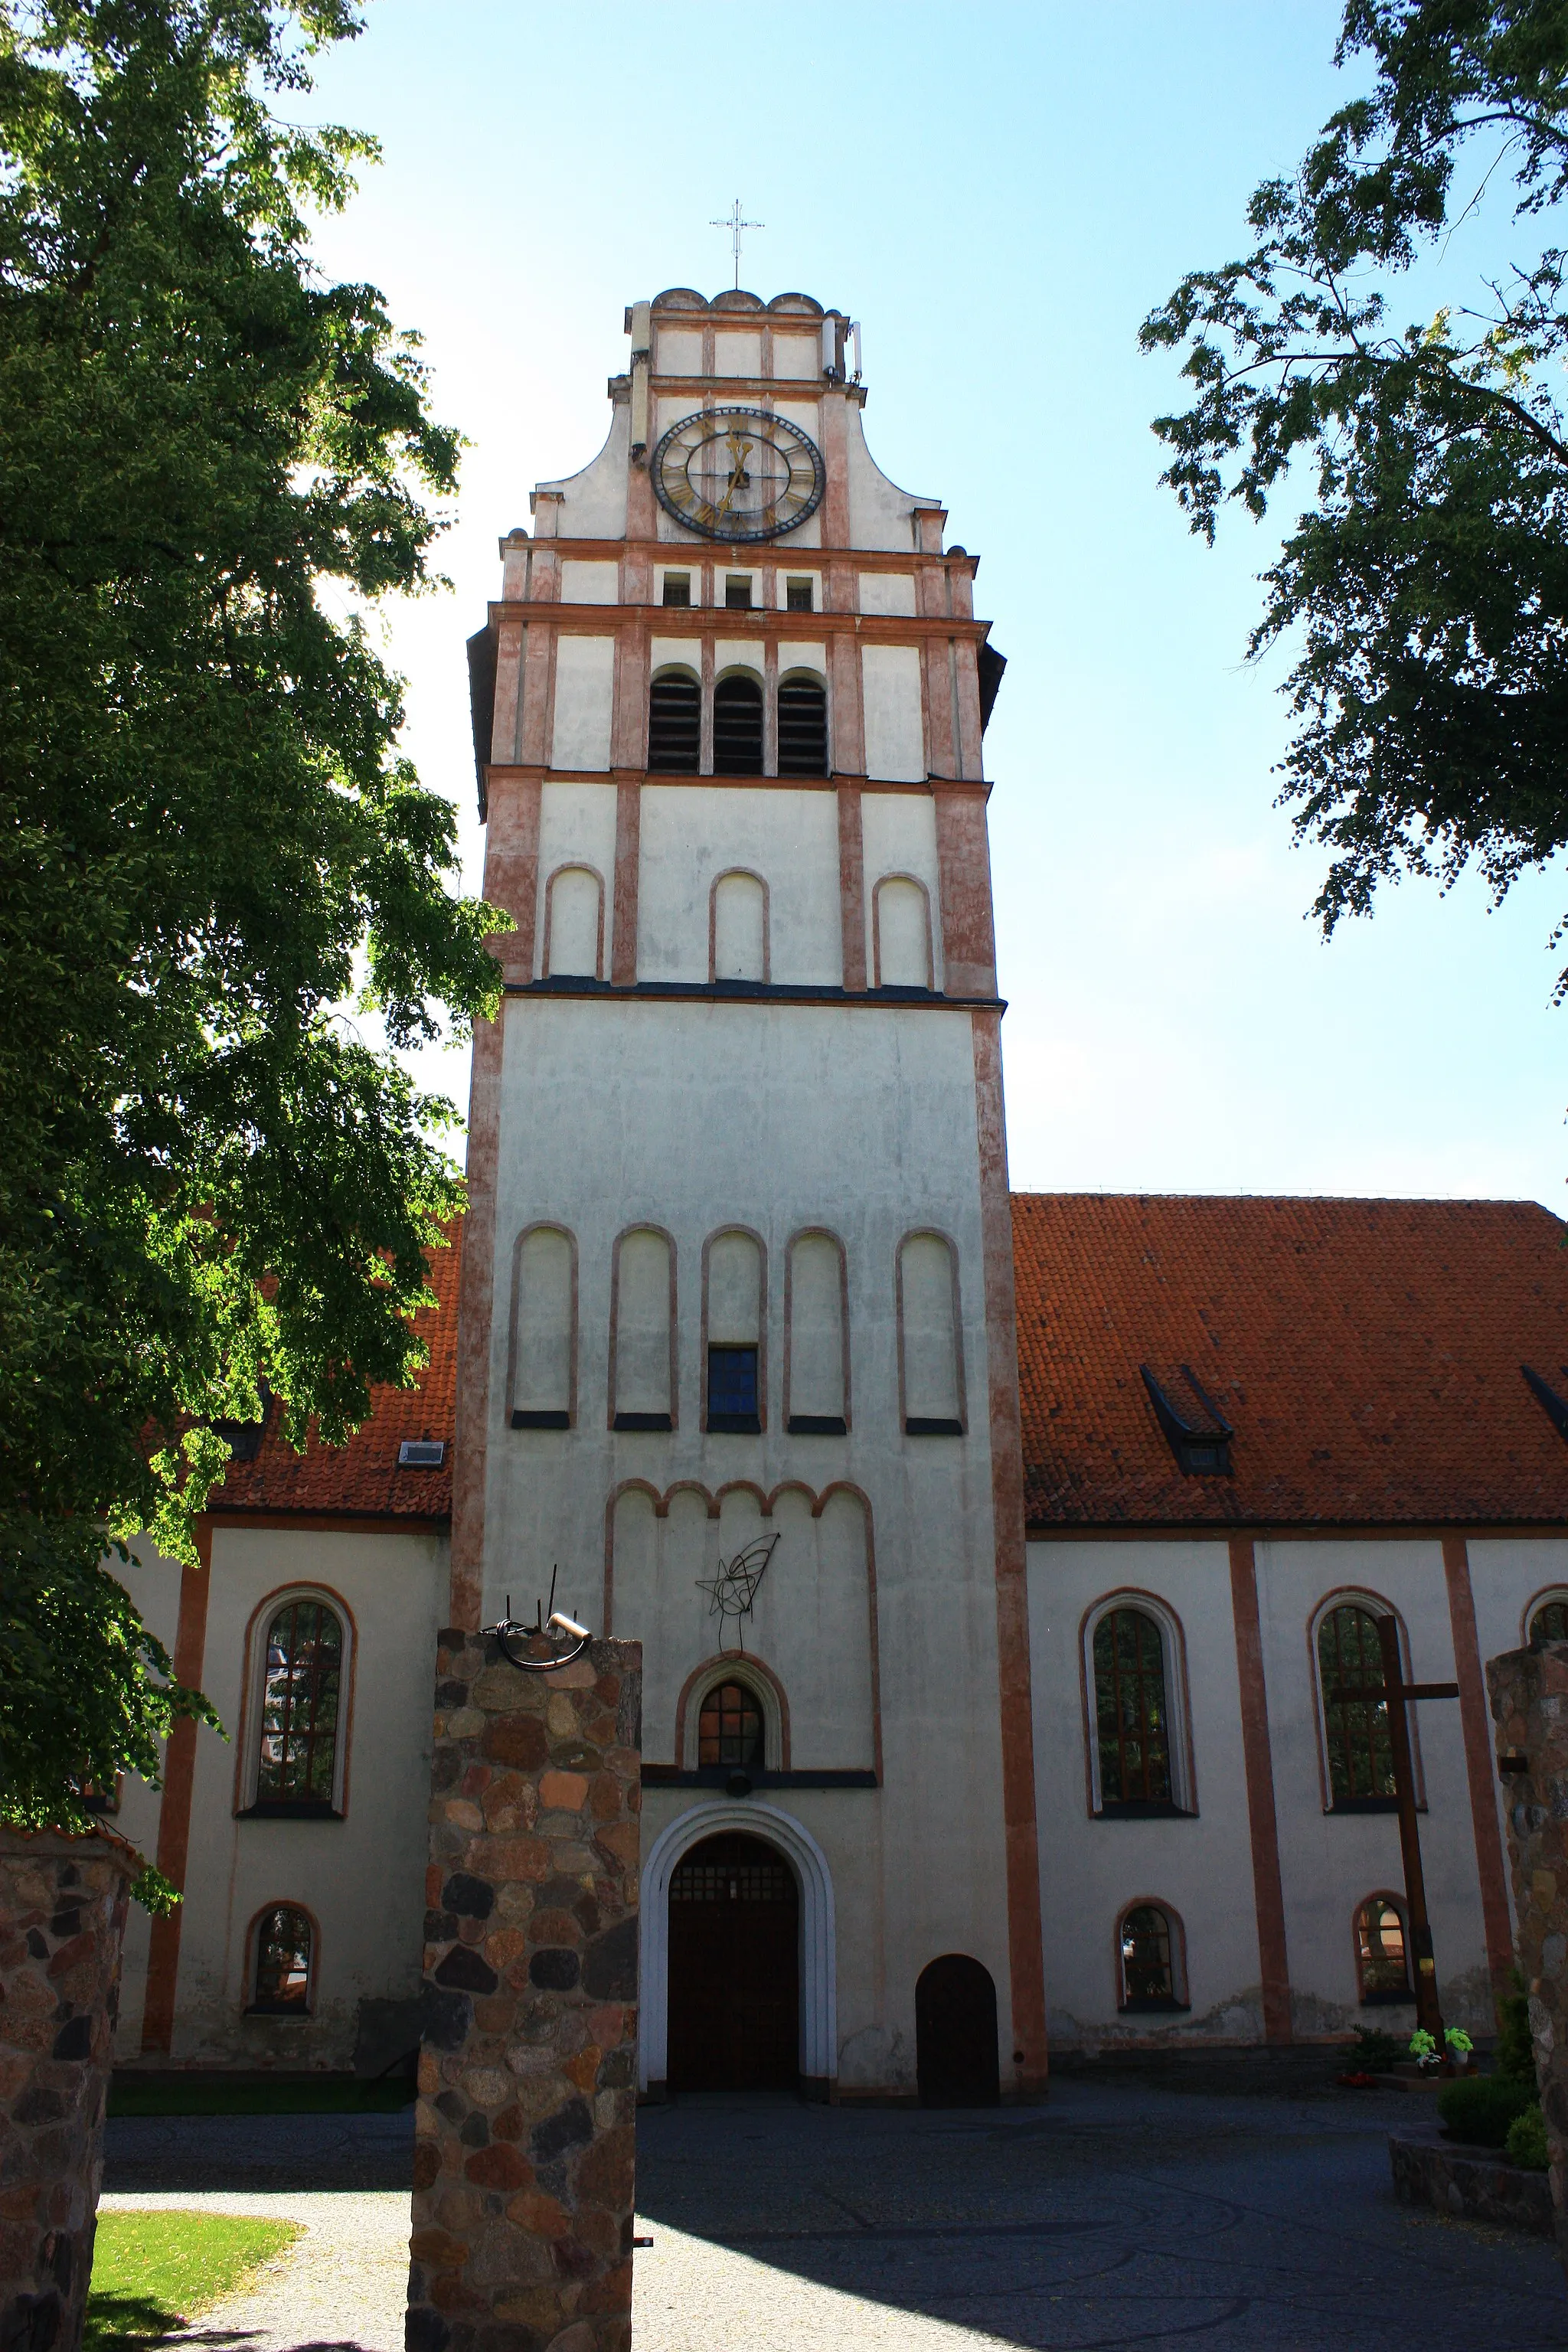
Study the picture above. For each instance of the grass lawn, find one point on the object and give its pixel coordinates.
(153, 2271)
(309, 2094)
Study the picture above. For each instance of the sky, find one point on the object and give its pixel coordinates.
(1000, 194)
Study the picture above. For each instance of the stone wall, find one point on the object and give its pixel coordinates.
(62, 1925)
(523, 2159)
(1529, 1692)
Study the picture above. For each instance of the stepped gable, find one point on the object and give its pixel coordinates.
(1367, 1354)
(363, 1478)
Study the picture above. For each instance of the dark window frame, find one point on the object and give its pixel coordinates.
(1132, 1713)
(733, 1416)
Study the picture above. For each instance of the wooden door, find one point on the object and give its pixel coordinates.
(955, 2033)
(734, 1968)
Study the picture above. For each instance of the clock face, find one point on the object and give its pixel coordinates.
(738, 474)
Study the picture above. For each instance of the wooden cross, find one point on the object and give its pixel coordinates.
(734, 224)
(1396, 1694)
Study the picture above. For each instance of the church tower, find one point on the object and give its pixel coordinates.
(737, 1343)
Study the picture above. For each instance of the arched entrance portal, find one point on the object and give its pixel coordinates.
(955, 2034)
(734, 1967)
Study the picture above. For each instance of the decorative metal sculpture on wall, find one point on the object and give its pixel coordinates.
(553, 1641)
(734, 1589)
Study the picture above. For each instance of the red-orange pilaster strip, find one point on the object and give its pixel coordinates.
(1268, 1886)
(174, 1812)
(1480, 1763)
(1026, 1950)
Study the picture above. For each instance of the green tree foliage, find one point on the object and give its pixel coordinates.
(1425, 590)
(212, 463)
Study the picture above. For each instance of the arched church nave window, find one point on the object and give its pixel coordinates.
(544, 1353)
(738, 724)
(930, 1351)
(1151, 1959)
(738, 926)
(643, 1330)
(675, 722)
(297, 1674)
(282, 1962)
(1135, 1682)
(816, 1350)
(1357, 1749)
(1382, 1951)
(575, 924)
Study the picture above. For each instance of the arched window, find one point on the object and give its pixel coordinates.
(803, 725)
(1131, 1715)
(573, 937)
(1150, 1958)
(281, 1976)
(675, 723)
(1381, 1952)
(734, 1314)
(931, 1363)
(740, 928)
(1549, 1621)
(1355, 1730)
(738, 725)
(730, 1729)
(903, 922)
(301, 1706)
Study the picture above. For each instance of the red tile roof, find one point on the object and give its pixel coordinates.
(363, 1479)
(1367, 1353)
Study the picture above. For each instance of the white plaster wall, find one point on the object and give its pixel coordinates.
(1091, 1869)
(797, 358)
(679, 351)
(895, 729)
(794, 655)
(585, 694)
(898, 835)
(1332, 1861)
(737, 653)
(363, 1877)
(678, 652)
(576, 827)
(880, 511)
(887, 591)
(690, 835)
(594, 501)
(1506, 1573)
(738, 353)
(696, 1115)
(590, 583)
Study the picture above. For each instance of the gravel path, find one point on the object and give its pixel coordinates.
(343, 2284)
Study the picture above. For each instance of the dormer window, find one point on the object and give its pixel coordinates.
(737, 592)
(1552, 1404)
(678, 588)
(1192, 1425)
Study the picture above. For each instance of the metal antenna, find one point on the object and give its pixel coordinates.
(734, 224)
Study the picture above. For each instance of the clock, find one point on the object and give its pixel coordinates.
(738, 474)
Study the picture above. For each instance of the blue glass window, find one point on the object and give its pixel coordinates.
(733, 1389)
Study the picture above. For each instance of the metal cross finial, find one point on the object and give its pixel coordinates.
(734, 224)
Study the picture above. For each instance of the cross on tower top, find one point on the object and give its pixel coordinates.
(734, 224)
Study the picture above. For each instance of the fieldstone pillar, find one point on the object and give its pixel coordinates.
(523, 2154)
(1529, 1691)
(62, 1925)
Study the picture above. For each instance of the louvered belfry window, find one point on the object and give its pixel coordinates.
(803, 726)
(675, 724)
(738, 727)
(1132, 1719)
(1361, 1753)
(299, 1706)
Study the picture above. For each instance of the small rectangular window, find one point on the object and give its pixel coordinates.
(737, 593)
(422, 1453)
(678, 587)
(798, 596)
(732, 1390)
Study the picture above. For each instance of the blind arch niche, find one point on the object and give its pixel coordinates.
(642, 1330)
(738, 940)
(930, 1351)
(817, 1353)
(575, 924)
(543, 1384)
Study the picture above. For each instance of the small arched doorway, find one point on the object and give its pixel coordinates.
(955, 2034)
(734, 1967)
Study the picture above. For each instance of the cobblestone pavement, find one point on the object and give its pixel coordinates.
(1114, 2215)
